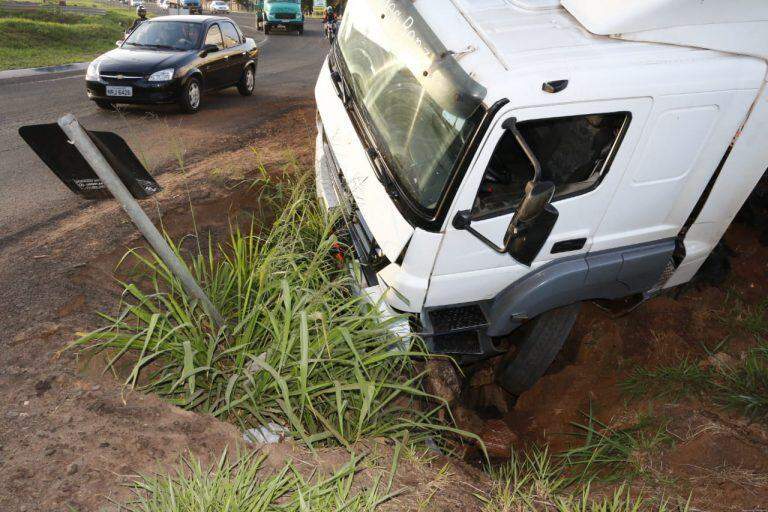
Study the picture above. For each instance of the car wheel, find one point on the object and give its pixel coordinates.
(542, 339)
(104, 104)
(247, 82)
(191, 96)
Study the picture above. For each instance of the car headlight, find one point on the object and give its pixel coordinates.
(92, 73)
(161, 76)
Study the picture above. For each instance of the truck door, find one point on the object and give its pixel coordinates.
(583, 148)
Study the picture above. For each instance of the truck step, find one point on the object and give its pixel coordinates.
(459, 331)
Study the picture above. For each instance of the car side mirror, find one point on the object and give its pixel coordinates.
(119, 42)
(208, 48)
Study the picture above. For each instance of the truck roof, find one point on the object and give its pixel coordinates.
(508, 45)
(736, 26)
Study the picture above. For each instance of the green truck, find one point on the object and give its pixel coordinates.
(283, 14)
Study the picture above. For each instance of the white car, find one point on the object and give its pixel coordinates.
(136, 3)
(219, 6)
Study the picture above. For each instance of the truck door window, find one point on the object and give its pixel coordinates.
(575, 154)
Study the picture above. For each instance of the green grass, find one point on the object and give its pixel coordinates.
(741, 385)
(48, 37)
(244, 487)
(671, 381)
(535, 483)
(298, 349)
(614, 454)
(744, 387)
(753, 319)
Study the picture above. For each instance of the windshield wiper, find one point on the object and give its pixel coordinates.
(380, 173)
(158, 46)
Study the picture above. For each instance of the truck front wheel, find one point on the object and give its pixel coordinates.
(541, 340)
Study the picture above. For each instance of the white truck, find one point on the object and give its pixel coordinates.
(497, 162)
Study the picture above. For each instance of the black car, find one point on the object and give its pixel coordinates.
(174, 59)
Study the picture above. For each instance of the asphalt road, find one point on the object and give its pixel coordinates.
(30, 195)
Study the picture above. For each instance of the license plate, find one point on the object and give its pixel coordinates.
(124, 92)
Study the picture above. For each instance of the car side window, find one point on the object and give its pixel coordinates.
(214, 37)
(575, 154)
(231, 37)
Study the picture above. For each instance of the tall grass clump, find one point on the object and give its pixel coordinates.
(744, 386)
(534, 482)
(299, 350)
(246, 486)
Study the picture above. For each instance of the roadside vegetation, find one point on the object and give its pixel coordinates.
(300, 353)
(247, 486)
(536, 482)
(738, 383)
(49, 36)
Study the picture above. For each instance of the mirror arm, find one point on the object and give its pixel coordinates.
(511, 125)
(463, 221)
(479, 236)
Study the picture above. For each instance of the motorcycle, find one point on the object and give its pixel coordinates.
(331, 29)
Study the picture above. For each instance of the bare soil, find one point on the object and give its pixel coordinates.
(71, 436)
(717, 457)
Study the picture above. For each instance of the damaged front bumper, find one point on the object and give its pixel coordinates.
(332, 195)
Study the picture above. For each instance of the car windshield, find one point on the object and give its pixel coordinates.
(166, 35)
(419, 104)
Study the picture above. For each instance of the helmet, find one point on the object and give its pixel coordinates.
(330, 10)
(141, 11)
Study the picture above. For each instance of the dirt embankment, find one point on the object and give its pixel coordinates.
(70, 435)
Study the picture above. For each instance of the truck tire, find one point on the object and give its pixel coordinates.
(542, 339)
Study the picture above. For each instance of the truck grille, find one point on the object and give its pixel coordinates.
(285, 16)
(355, 233)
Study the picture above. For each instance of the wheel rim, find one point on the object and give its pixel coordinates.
(194, 95)
(249, 79)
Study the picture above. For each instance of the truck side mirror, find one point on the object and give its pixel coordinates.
(532, 222)
(535, 217)
(536, 199)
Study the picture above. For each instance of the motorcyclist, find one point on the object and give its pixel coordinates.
(330, 19)
(141, 12)
(330, 16)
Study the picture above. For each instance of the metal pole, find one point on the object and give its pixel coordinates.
(93, 156)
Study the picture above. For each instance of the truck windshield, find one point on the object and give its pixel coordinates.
(419, 104)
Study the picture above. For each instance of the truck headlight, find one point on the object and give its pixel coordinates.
(161, 76)
(92, 73)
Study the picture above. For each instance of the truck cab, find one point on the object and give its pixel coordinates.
(496, 163)
(285, 14)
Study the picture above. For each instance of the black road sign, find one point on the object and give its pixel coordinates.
(53, 147)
